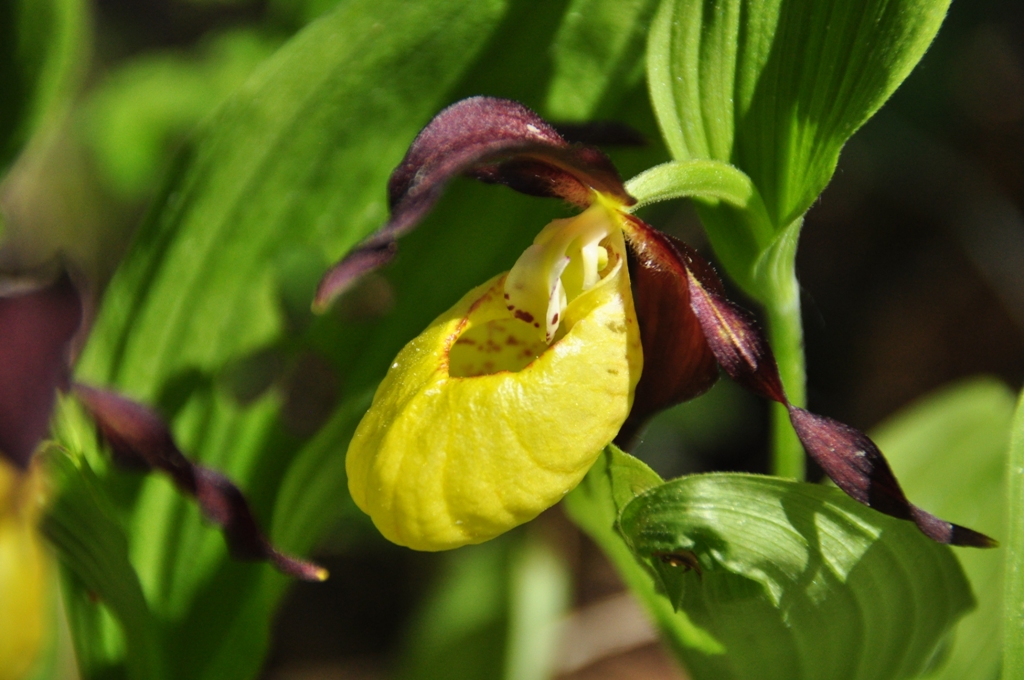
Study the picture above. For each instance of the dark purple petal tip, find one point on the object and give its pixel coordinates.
(857, 467)
(736, 342)
(497, 141)
(36, 332)
(140, 438)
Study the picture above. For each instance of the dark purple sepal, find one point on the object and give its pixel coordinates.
(496, 141)
(678, 363)
(136, 433)
(36, 332)
(857, 467)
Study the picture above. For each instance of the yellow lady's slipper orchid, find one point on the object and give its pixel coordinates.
(500, 407)
(24, 566)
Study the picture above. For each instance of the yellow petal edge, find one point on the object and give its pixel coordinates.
(441, 461)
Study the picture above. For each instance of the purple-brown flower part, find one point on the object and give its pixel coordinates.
(678, 362)
(857, 467)
(687, 326)
(493, 140)
(688, 329)
(36, 330)
(736, 341)
(136, 433)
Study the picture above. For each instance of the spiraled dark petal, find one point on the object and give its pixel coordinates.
(678, 362)
(857, 467)
(666, 272)
(135, 432)
(736, 341)
(494, 140)
(36, 330)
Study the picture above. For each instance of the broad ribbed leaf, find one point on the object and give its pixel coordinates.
(950, 451)
(833, 589)
(615, 480)
(777, 87)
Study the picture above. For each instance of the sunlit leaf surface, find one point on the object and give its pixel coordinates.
(777, 87)
(774, 578)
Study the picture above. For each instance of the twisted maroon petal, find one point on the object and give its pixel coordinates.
(36, 330)
(678, 362)
(857, 467)
(688, 329)
(737, 342)
(137, 436)
(494, 140)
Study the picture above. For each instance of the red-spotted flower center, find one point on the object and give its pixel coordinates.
(568, 258)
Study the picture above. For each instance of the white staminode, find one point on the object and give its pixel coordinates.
(565, 260)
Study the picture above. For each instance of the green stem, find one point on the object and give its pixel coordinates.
(786, 334)
(776, 275)
(1013, 623)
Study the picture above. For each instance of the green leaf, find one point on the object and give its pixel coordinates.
(43, 48)
(291, 169)
(615, 480)
(93, 550)
(832, 588)
(1013, 616)
(713, 183)
(598, 46)
(296, 158)
(777, 87)
(949, 451)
